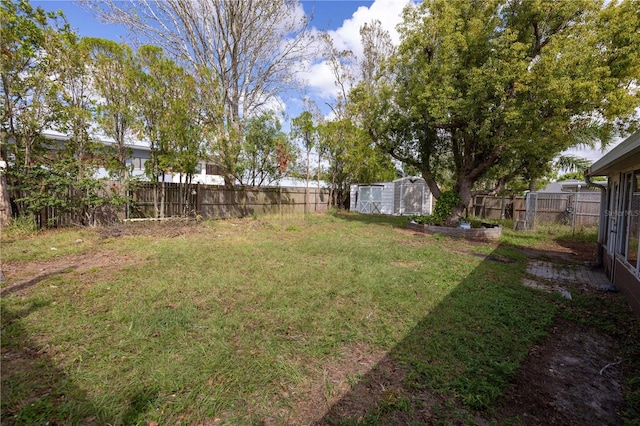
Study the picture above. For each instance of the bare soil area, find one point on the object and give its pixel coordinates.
(24, 275)
(572, 379)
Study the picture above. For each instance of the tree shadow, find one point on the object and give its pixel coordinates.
(33, 281)
(34, 389)
(459, 358)
(372, 219)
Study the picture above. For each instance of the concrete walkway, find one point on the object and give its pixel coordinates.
(567, 272)
(549, 276)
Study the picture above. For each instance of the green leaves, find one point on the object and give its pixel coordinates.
(499, 88)
(267, 152)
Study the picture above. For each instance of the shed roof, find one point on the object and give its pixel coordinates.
(623, 156)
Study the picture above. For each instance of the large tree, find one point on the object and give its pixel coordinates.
(488, 86)
(251, 47)
(115, 110)
(305, 130)
(29, 38)
(350, 155)
(167, 104)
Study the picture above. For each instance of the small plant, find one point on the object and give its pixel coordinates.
(21, 226)
(422, 220)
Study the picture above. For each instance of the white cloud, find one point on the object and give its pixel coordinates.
(388, 12)
(317, 76)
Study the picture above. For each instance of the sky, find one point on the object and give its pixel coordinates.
(341, 19)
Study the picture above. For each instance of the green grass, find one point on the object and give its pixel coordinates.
(544, 233)
(235, 319)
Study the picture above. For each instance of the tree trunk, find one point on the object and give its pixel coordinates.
(460, 211)
(5, 204)
(163, 199)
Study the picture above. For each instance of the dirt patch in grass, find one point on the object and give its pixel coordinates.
(573, 378)
(332, 382)
(565, 250)
(169, 228)
(24, 275)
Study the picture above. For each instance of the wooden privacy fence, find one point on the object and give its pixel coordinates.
(571, 208)
(219, 202)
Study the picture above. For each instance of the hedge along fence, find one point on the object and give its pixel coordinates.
(220, 202)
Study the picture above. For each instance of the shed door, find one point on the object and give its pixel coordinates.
(411, 199)
(369, 199)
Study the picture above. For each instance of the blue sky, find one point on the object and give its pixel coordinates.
(327, 15)
(341, 19)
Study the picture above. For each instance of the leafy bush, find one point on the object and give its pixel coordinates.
(444, 205)
(442, 211)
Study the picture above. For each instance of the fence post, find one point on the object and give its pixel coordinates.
(198, 200)
(575, 212)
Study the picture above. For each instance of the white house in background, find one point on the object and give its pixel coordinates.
(207, 174)
(405, 196)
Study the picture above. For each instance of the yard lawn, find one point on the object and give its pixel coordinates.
(280, 320)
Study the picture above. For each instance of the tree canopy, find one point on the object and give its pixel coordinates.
(496, 88)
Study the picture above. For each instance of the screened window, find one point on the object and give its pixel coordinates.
(623, 212)
(633, 219)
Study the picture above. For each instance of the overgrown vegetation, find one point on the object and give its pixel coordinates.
(238, 321)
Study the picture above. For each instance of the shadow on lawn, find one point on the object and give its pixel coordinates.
(372, 219)
(34, 390)
(37, 391)
(459, 358)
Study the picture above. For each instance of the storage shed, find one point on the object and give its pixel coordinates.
(405, 196)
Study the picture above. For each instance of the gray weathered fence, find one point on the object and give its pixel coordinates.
(578, 209)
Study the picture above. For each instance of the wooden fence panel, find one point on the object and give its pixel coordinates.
(219, 202)
(581, 209)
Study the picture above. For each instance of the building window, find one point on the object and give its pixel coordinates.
(632, 215)
(213, 170)
(138, 163)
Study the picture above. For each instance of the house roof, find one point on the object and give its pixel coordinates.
(130, 142)
(624, 156)
(569, 185)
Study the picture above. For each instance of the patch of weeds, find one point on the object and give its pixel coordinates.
(610, 314)
(631, 411)
(395, 401)
(353, 380)
(23, 226)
